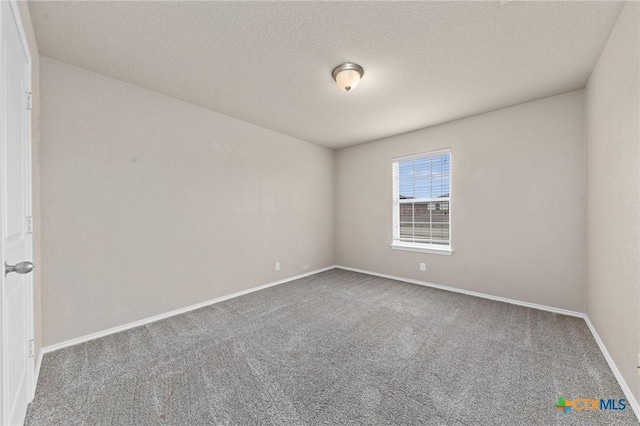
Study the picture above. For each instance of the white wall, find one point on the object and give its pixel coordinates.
(151, 204)
(517, 210)
(613, 182)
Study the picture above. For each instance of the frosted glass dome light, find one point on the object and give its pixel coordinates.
(347, 75)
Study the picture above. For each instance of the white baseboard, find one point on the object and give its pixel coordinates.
(614, 368)
(470, 293)
(103, 333)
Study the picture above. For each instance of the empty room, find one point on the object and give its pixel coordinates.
(320, 213)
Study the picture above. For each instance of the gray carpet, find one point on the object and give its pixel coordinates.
(334, 348)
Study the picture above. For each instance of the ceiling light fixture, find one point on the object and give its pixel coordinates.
(347, 75)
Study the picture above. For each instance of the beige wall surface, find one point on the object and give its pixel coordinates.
(517, 206)
(151, 204)
(35, 170)
(613, 211)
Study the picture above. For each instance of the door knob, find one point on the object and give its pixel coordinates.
(19, 268)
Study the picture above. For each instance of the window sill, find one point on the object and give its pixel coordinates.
(446, 251)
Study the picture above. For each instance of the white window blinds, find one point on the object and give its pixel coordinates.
(421, 200)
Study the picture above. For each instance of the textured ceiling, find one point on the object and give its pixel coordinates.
(269, 63)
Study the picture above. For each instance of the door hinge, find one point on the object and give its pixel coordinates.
(29, 101)
(31, 348)
(29, 224)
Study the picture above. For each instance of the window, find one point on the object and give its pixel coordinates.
(421, 202)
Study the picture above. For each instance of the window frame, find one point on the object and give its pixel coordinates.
(396, 244)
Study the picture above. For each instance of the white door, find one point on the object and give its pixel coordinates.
(15, 215)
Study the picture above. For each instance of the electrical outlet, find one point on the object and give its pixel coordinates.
(277, 266)
(423, 266)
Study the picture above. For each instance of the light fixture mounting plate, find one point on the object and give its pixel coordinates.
(347, 66)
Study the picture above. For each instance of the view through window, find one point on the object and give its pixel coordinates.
(421, 200)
